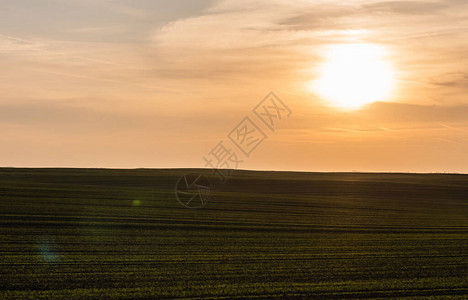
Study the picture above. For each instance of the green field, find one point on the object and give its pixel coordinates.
(96, 233)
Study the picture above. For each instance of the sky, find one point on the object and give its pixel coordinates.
(159, 84)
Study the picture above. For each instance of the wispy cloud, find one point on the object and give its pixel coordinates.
(16, 45)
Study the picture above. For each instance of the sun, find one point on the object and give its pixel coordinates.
(353, 75)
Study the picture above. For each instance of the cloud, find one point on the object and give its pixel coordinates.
(453, 79)
(228, 36)
(407, 7)
(63, 117)
(380, 117)
(244, 37)
(15, 45)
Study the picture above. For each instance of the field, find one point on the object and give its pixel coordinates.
(97, 233)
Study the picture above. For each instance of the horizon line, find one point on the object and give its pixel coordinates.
(245, 170)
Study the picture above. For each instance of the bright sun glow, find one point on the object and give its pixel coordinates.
(353, 75)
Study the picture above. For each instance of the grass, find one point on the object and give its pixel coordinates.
(97, 233)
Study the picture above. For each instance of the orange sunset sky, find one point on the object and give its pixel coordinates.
(372, 85)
